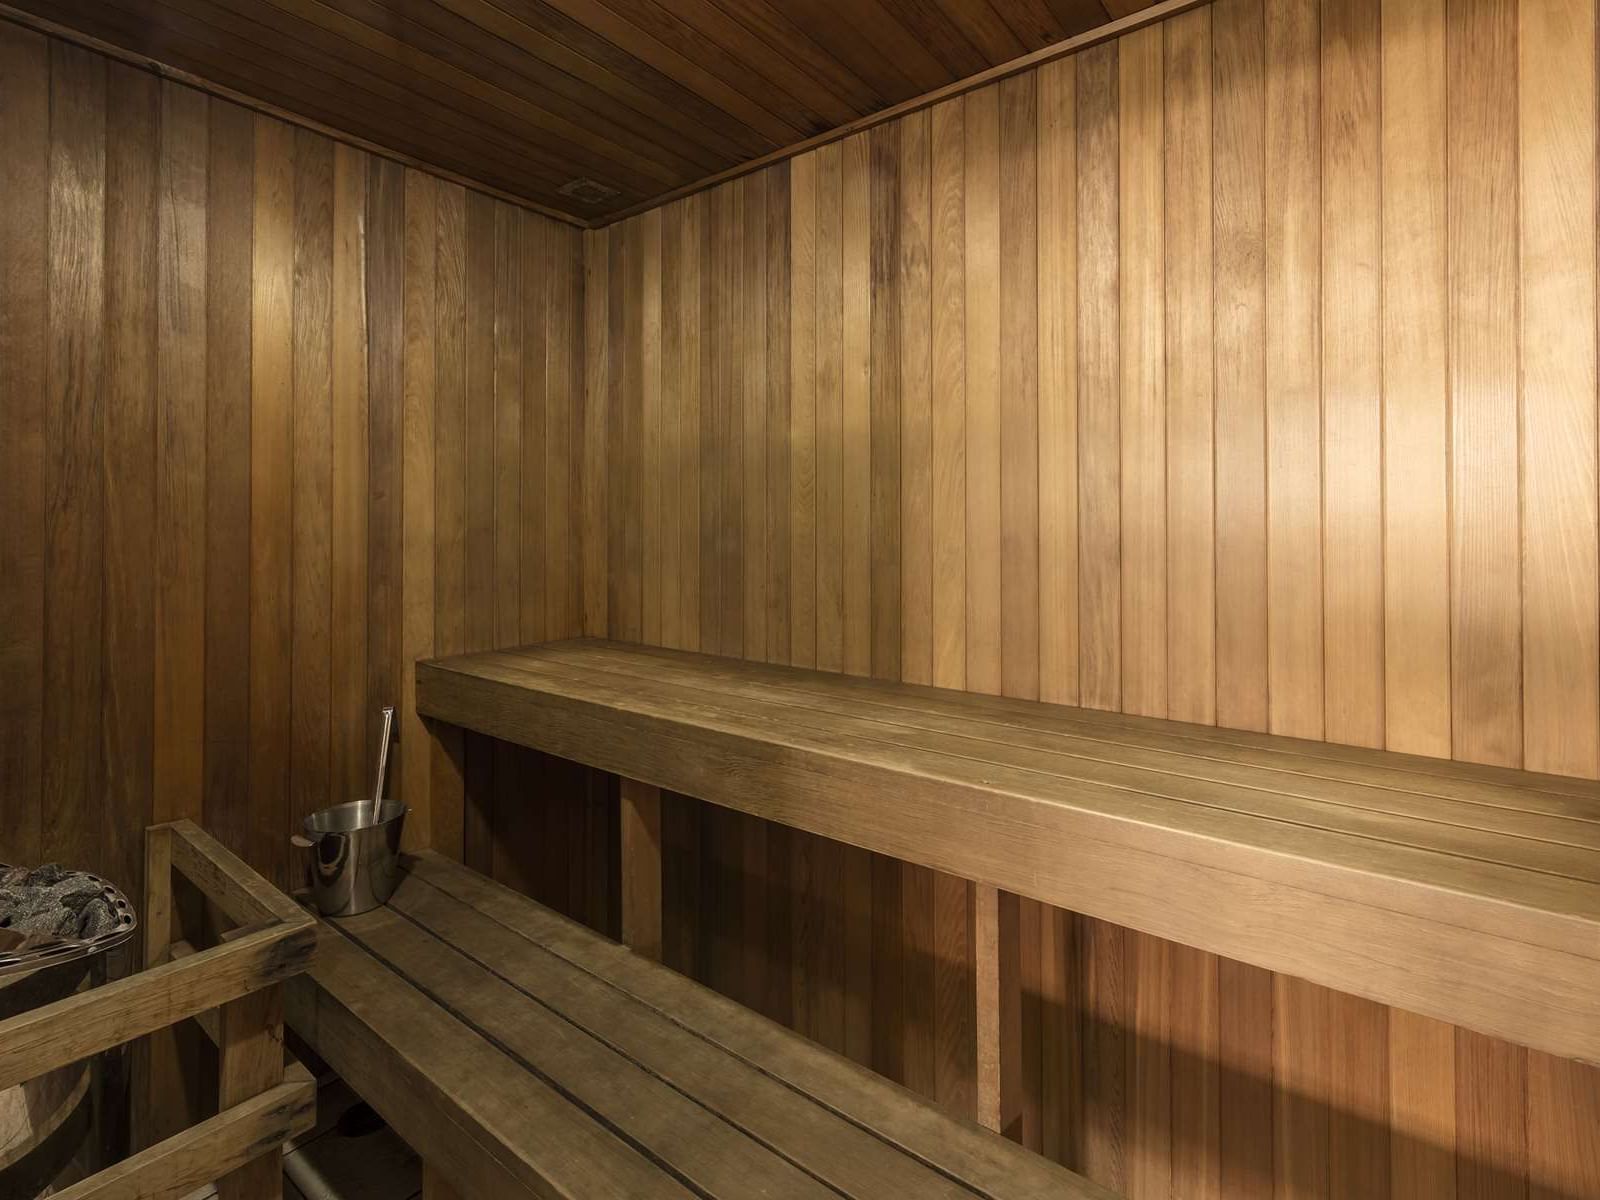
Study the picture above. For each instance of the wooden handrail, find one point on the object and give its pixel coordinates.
(233, 987)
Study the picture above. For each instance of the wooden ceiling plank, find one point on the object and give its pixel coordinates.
(652, 98)
(887, 37)
(662, 89)
(883, 72)
(261, 79)
(985, 28)
(771, 23)
(1078, 16)
(214, 22)
(943, 35)
(670, 24)
(466, 45)
(463, 133)
(1035, 22)
(1159, 11)
(604, 68)
(674, 65)
(266, 101)
(774, 64)
(585, 145)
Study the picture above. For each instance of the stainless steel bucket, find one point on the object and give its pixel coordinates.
(355, 861)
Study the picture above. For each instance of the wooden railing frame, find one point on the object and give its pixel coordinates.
(261, 1103)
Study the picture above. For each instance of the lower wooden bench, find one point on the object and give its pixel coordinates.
(521, 1054)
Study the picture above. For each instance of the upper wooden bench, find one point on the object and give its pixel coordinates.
(1467, 893)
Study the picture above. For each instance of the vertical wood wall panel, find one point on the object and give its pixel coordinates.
(1205, 374)
(1239, 287)
(1099, 385)
(1416, 502)
(1142, 352)
(1242, 370)
(1294, 423)
(311, 487)
(72, 724)
(1058, 382)
(181, 476)
(229, 417)
(24, 220)
(1485, 492)
(1352, 453)
(1556, 159)
(1188, 366)
(234, 355)
(133, 123)
(982, 378)
(271, 476)
(351, 459)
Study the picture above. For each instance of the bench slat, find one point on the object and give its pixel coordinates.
(686, 1139)
(1473, 900)
(447, 1092)
(856, 1098)
(823, 1144)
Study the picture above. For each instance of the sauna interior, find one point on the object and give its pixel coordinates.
(981, 598)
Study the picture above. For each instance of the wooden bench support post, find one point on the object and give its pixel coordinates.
(999, 1009)
(641, 867)
(250, 1042)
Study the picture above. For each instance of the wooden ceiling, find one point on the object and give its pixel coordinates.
(529, 97)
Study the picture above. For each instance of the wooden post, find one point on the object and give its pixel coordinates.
(999, 1009)
(250, 1036)
(641, 867)
(154, 1057)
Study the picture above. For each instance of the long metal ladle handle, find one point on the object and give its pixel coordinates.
(383, 763)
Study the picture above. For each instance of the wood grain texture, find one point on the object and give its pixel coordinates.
(1099, 376)
(1469, 145)
(984, 640)
(1188, 370)
(1239, 352)
(73, 613)
(1335, 258)
(1415, 381)
(133, 123)
(672, 1091)
(1352, 439)
(25, 136)
(1141, 307)
(1481, 185)
(1295, 650)
(1556, 194)
(228, 351)
(1058, 382)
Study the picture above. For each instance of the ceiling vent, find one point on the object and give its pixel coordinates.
(588, 191)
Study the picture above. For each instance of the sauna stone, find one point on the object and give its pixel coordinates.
(46, 902)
